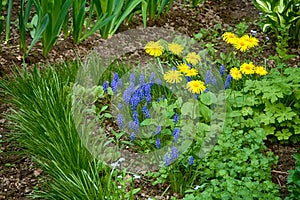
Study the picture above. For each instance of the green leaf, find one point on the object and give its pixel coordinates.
(285, 114)
(283, 135)
(39, 31)
(190, 108)
(208, 98)
(247, 111)
(148, 122)
(269, 130)
(205, 112)
(131, 193)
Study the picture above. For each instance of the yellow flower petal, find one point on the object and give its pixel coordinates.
(235, 73)
(173, 76)
(154, 48)
(196, 86)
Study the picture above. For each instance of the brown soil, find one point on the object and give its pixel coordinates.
(19, 176)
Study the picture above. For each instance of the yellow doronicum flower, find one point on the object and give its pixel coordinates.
(252, 41)
(175, 48)
(154, 48)
(247, 68)
(183, 67)
(241, 44)
(235, 73)
(260, 70)
(193, 58)
(173, 76)
(196, 86)
(229, 37)
(191, 72)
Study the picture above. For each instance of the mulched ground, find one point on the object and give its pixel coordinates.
(19, 176)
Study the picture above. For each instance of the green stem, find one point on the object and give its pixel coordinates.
(160, 66)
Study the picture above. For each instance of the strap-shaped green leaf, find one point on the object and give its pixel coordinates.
(264, 6)
(57, 27)
(40, 29)
(78, 19)
(99, 24)
(125, 13)
(7, 27)
(144, 12)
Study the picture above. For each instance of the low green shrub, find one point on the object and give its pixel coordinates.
(271, 103)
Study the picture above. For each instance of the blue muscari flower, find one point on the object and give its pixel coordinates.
(222, 70)
(191, 160)
(190, 65)
(228, 79)
(188, 78)
(120, 121)
(158, 100)
(147, 92)
(146, 111)
(163, 97)
(132, 136)
(132, 126)
(105, 86)
(158, 143)
(176, 134)
(114, 86)
(174, 68)
(142, 79)
(116, 77)
(141, 94)
(135, 100)
(167, 160)
(207, 77)
(214, 81)
(120, 105)
(206, 90)
(127, 96)
(152, 77)
(173, 153)
(158, 130)
(135, 116)
(197, 96)
(176, 118)
(158, 81)
(119, 83)
(132, 78)
(114, 82)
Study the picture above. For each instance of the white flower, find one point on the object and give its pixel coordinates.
(136, 176)
(115, 164)
(121, 160)
(197, 187)
(253, 32)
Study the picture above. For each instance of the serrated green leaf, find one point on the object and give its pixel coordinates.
(269, 130)
(283, 135)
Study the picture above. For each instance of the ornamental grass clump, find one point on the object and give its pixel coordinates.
(43, 123)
